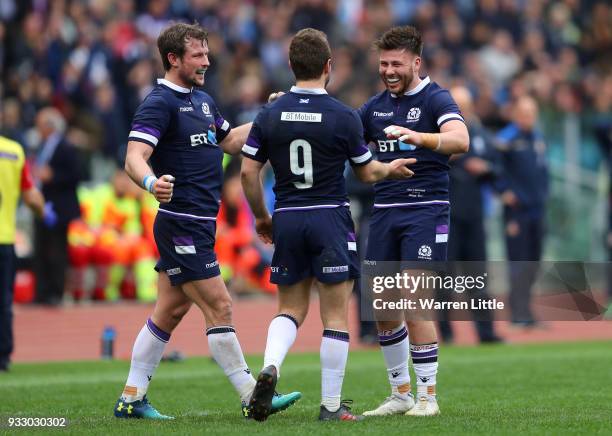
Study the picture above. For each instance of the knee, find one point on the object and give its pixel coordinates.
(389, 325)
(168, 319)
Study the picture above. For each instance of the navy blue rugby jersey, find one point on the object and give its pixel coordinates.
(423, 109)
(308, 137)
(185, 128)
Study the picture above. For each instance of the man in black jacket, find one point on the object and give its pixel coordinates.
(524, 188)
(467, 238)
(58, 171)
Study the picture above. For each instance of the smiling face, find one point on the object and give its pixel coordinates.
(192, 66)
(398, 69)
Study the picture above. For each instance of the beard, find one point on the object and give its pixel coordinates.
(405, 81)
(192, 79)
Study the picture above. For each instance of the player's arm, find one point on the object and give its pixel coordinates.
(375, 171)
(138, 153)
(250, 175)
(235, 139)
(366, 169)
(453, 137)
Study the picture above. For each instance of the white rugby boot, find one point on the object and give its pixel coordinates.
(393, 405)
(426, 405)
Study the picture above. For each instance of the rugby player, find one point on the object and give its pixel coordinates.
(179, 130)
(412, 118)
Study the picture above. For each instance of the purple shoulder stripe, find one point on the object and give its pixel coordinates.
(148, 130)
(252, 142)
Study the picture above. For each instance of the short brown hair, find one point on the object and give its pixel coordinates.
(308, 53)
(401, 37)
(174, 38)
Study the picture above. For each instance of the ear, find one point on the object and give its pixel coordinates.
(416, 65)
(173, 59)
(328, 66)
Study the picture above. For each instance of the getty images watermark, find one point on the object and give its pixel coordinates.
(514, 291)
(410, 283)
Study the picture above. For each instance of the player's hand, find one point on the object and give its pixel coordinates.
(404, 135)
(274, 96)
(263, 227)
(398, 169)
(163, 188)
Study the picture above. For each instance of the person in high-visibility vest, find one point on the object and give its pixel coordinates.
(110, 237)
(15, 181)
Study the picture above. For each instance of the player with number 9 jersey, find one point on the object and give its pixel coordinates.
(308, 136)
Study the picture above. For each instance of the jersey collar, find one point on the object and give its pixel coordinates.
(417, 89)
(173, 86)
(316, 91)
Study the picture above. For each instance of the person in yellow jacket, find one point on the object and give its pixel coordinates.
(110, 238)
(15, 181)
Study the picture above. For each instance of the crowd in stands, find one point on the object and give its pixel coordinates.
(94, 60)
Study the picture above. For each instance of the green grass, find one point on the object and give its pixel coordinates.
(527, 389)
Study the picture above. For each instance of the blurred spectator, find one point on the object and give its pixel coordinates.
(499, 59)
(15, 180)
(467, 251)
(524, 187)
(154, 20)
(107, 112)
(57, 170)
(248, 104)
(11, 123)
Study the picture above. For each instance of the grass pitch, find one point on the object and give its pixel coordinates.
(507, 389)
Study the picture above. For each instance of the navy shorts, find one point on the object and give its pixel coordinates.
(410, 233)
(186, 248)
(314, 243)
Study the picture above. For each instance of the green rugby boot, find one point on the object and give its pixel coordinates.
(140, 409)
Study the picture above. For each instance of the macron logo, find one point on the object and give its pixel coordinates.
(304, 100)
(186, 109)
(212, 264)
(382, 114)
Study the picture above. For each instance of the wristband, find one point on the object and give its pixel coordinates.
(148, 182)
(432, 141)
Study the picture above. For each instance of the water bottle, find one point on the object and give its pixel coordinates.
(108, 342)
